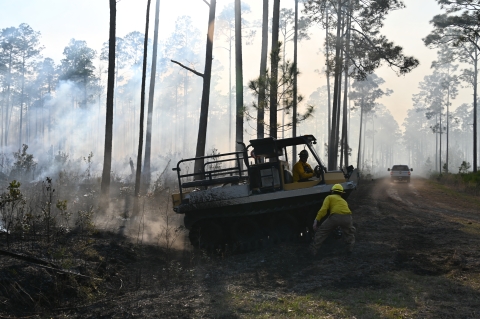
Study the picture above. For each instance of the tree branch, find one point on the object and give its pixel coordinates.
(389, 61)
(186, 67)
(28, 258)
(42, 263)
(208, 4)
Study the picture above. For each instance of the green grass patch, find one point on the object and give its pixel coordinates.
(471, 178)
(400, 294)
(332, 303)
(436, 185)
(471, 228)
(453, 191)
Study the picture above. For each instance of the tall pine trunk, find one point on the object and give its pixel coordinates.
(332, 151)
(185, 113)
(339, 101)
(436, 145)
(151, 95)
(475, 83)
(230, 90)
(339, 105)
(8, 111)
(345, 146)
(329, 106)
(107, 158)
(448, 126)
(359, 154)
(138, 174)
(2, 122)
(238, 76)
(364, 140)
(295, 78)
(263, 71)
(21, 108)
(274, 69)
(440, 143)
(202, 126)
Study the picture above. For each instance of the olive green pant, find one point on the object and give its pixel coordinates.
(329, 225)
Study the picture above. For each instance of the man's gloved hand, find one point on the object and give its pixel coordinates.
(318, 171)
(307, 169)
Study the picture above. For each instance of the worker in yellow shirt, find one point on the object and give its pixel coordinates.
(302, 171)
(340, 216)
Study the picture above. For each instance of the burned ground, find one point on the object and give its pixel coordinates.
(417, 256)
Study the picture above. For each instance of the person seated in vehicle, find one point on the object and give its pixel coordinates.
(302, 171)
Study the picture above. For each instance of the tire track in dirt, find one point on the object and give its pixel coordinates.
(445, 206)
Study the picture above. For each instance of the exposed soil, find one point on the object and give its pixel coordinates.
(421, 228)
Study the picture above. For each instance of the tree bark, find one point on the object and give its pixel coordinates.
(364, 140)
(107, 158)
(475, 92)
(440, 143)
(202, 126)
(328, 79)
(238, 76)
(8, 112)
(185, 112)
(274, 69)
(345, 147)
(230, 91)
(151, 96)
(2, 122)
(21, 107)
(359, 159)
(436, 145)
(295, 91)
(332, 152)
(142, 111)
(263, 71)
(448, 120)
(339, 108)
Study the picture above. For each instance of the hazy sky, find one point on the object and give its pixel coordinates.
(61, 20)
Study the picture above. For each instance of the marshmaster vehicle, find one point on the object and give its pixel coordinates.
(248, 197)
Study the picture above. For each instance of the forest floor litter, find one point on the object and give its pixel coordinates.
(416, 256)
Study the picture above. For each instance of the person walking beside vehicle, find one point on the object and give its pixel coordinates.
(302, 171)
(340, 216)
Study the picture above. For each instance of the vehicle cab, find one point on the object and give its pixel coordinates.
(270, 167)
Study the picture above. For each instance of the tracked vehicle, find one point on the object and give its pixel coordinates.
(248, 198)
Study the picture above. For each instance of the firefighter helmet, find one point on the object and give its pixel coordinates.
(337, 188)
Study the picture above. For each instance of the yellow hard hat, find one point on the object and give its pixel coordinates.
(337, 188)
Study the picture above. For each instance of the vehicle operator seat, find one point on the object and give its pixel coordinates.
(288, 177)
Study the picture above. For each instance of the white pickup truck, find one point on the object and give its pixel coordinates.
(400, 173)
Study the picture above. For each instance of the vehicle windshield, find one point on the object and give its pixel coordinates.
(400, 168)
(315, 155)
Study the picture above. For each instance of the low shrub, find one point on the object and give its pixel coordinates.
(471, 178)
(463, 182)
